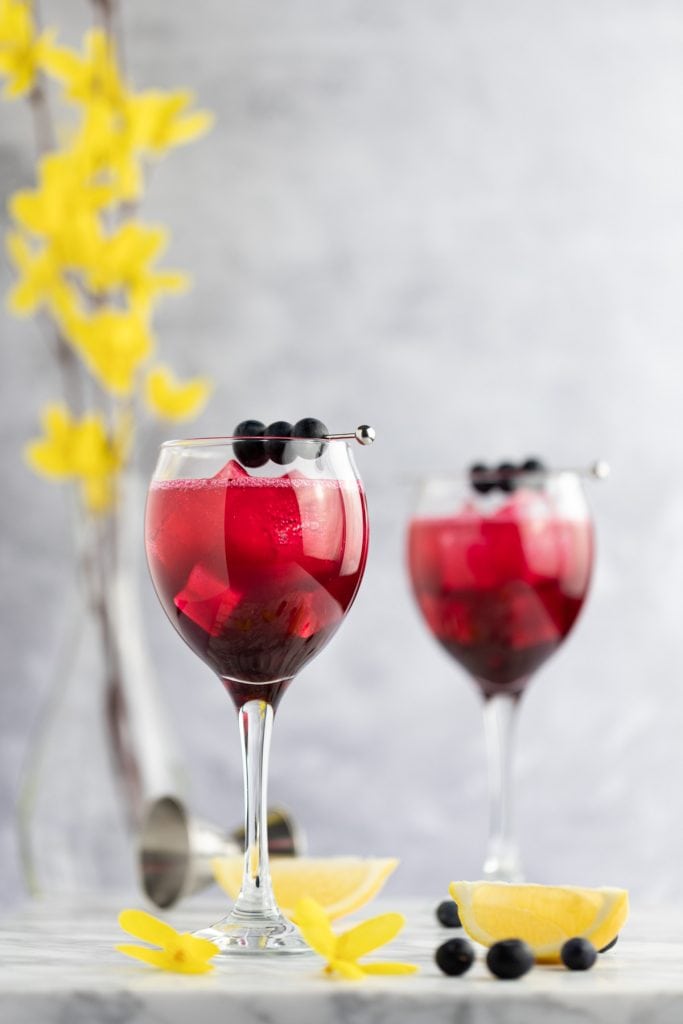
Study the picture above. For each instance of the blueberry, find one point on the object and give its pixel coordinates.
(309, 428)
(506, 477)
(609, 945)
(447, 913)
(532, 466)
(578, 954)
(280, 451)
(455, 956)
(250, 453)
(510, 958)
(476, 471)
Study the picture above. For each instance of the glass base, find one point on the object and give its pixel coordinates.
(247, 933)
(503, 866)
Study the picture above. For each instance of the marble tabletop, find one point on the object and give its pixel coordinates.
(58, 966)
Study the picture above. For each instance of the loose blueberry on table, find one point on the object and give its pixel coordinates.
(447, 914)
(455, 956)
(510, 958)
(578, 954)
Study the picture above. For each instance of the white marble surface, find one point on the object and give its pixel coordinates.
(59, 965)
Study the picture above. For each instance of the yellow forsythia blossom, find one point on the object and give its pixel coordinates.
(159, 120)
(170, 399)
(92, 77)
(113, 343)
(122, 262)
(342, 952)
(21, 47)
(179, 952)
(41, 282)
(81, 450)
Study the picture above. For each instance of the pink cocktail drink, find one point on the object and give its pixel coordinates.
(500, 562)
(256, 573)
(500, 590)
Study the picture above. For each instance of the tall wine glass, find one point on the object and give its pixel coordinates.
(256, 550)
(500, 562)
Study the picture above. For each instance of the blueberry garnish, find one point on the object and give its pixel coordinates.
(250, 453)
(455, 956)
(447, 913)
(309, 428)
(280, 451)
(532, 466)
(506, 477)
(478, 479)
(610, 945)
(578, 954)
(510, 958)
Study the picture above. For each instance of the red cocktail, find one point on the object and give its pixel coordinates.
(500, 563)
(501, 591)
(256, 573)
(256, 548)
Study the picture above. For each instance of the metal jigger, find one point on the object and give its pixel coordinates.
(175, 850)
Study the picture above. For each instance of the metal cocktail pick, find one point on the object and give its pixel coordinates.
(175, 850)
(364, 434)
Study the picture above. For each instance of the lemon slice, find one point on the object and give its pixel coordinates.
(545, 916)
(339, 884)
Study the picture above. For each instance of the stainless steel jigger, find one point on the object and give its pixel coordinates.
(175, 850)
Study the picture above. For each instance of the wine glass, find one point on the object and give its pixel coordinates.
(256, 549)
(500, 562)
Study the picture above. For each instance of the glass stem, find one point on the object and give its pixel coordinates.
(502, 857)
(256, 897)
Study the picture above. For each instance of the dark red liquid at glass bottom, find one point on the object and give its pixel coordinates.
(256, 574)
(500, 594)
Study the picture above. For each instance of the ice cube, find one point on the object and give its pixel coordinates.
(207, 600)
(313, 611)
(231, 471)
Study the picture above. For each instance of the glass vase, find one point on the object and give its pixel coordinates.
(101, 749)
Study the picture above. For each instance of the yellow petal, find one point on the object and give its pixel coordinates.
(186, 129)
(147, 927)
(369, 935)
(48, 460)
(197, 947)
(167, 398)
(164, 961)
(388, 967)
(315, 927)
(347, 969)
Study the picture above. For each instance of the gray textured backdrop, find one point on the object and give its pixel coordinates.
(462, 221)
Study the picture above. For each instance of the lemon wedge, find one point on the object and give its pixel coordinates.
(544, 916)
(339, 884)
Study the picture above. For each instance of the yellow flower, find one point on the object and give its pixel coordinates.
(179, 951)
(63, 209)
(41, 282)
(79, 450)
(122, 261)
(159, 120)
(343, 951)
(92, 77)
(113, 343)
(21, 48)
(171, 399)
(104, 144)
